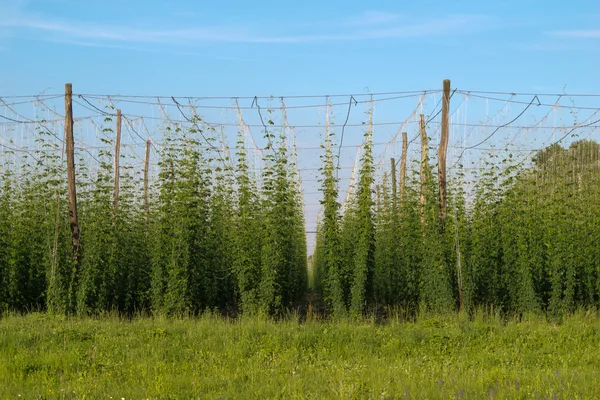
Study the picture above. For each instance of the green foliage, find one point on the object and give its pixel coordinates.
(221, 289)
(345, 246)
(227, 234)
(185, 277)
(283, 251)
(98, 268)
(526, 242)
(247, 241)
(205, 241)
(361, 290)
(530, 231)
(328, 258)
(31, 229)
(435, 285)
(5, 229)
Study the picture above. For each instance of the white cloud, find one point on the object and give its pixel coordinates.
(167, 50)
(372, 18)
(120, 34)
(370, 26)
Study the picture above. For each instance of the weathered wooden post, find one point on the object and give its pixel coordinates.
(403, 165)
(71, 188)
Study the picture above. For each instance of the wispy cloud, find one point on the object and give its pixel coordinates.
(372, 17)
(165, 50)
(370, 26)
(577, 33)
(545, 46)
(569, 40)
(120, 34)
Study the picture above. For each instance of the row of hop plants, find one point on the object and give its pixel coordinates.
(527, 241)
(533, 240)
(213, 236)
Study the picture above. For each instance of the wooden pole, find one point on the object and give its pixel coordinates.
(403, 165)
(394, 189)
(443, 148)
(378, 201)
(146, 169)
(71, 188)
(117, 157)
(384, 189)
(424, 166)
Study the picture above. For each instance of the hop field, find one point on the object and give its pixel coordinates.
(428, 280)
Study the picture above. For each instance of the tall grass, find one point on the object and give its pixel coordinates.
(250, 357)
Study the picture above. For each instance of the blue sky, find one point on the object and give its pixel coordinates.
(252, 48)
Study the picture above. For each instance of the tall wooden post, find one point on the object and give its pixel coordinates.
(384, 190)
(424, 166)
(117, 157)
(443, 148)
(71, 188)
(146, 169)
(394, 189)
(377, 198)
(403, 165)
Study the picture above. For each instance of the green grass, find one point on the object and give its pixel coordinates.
(43, 356)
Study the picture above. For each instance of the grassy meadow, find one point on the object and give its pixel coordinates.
(55, 357)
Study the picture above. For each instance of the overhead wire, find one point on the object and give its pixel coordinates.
(83, 101)
(497, 129)
(342, 134)
(394, 93)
